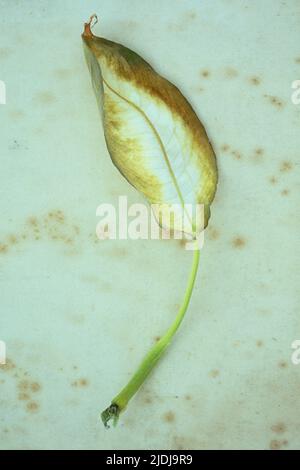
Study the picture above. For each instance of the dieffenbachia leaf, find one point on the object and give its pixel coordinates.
(153, 134)
(157, 142)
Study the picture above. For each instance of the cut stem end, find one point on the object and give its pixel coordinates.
(111, 413)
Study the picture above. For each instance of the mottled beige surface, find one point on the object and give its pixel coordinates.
(77, 315)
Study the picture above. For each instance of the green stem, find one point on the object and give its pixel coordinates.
(120, 402)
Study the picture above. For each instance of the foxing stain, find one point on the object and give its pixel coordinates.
(238, 242)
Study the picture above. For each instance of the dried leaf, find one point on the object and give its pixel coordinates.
(153, 134)
(157, 142)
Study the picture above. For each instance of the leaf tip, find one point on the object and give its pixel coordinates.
(87, 32)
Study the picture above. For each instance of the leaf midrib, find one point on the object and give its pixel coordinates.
(160, 142)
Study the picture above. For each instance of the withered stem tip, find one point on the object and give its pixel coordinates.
(88, 26)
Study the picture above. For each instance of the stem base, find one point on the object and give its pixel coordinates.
(111, 413)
